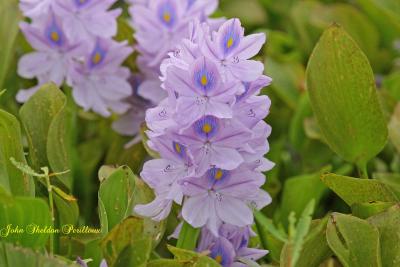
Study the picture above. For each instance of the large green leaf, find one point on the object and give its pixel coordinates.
(12, 256)
(188, 237)
(385, 14)
(9, 19)
(191, 258)
(353, 21)
(394, 128)
(291, 252)
(389, 232)
(366, 210)
(344, 99)
(315, 247)
(127, 244)
(354, 190)
(11, 178)
(22, 219)
(45, 121)
(116, 196)
(294, 197)
(354, 241)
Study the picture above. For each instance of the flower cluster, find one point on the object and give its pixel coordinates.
(230, 248)
(159, 25)
(73, 44)
(210, 134)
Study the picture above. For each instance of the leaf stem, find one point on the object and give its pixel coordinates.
(188, 237)
(363, 171)
(51, 203)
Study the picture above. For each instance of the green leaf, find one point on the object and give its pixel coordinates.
(21, 218)
(389, 232)
(116, 196)
(366, 210)
(143, 194)
(354, 190)
(292, 250)
(353, 21)
(165, 263)
(294, 197)
(45, 121)
(344, 99)
(188, 237)
(354, 241)
(191, 258)
(67, 209)
(127, 244)
(11, 178)
(13, 256)
(9, 19)
(387, 9)
(315, 247)
(288, 77)
(252, 15)
(394, 128)
(84, 246)
(392, 180)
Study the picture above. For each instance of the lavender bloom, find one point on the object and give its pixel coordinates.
(222, 196)
(35, 8)
(231, 49)
(100, 83)
(202, 93)
(85, 19)
(214, 114)
(230, 249)
(164, 175)
(53, 57)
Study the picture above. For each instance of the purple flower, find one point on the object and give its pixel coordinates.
(215, 142)
(100, 83)
(214, 114)
(230, 248)
(53, 58)
(221, 196)
(232, 50)
(35, 8)
(201, 91)
(84, 19)
(163, 176)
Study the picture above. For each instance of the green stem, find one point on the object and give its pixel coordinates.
(188, 237)
(362, 169)
(50, 190)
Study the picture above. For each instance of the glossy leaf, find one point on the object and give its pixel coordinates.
(298, 192)
(21, 218)
(355, 190)
(344, 99)
(354, 241)
(389, 232)
(188, 237)
(13, 256)
(11, 178)
(192, 258)
(116, 196)
(10, 16)
(127, 244)
(45, 123)
(366, 210)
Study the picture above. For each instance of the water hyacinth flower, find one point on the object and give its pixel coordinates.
(54, 55)
(215, 114)
(232, 50)
(35, 8)
(230, 248)
(223, 196)
(85, 18)
(73, 43)
(100, 83)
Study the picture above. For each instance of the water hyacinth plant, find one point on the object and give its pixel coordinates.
(199, 133)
